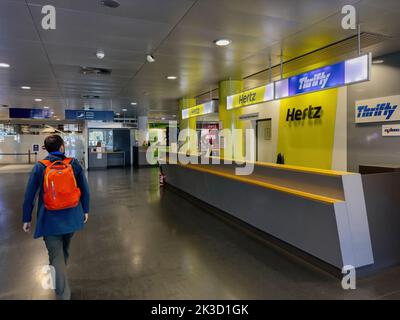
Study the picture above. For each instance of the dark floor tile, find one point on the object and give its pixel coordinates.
(146, 243)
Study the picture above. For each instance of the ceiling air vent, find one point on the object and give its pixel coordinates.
(90, 96)
(110, 3)
(90, 71)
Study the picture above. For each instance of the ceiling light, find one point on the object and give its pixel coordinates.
(222, 42)
(45, 107)
(110, 4)
(133, 103)
(100, 54)
(162, 118)
(124, 110)
(150, 58)
(378, 61)
(171, 77)
(4, 65)
(26, 88)
(38, 100)
(117, 114)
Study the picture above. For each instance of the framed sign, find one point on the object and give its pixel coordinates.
(391, 130)
(378, 110)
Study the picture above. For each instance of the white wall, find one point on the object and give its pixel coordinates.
(339, 155)
(268, 110)
(21, 143)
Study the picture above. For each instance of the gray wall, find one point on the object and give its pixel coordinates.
(365, 142)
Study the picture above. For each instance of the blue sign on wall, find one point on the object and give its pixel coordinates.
(319, 79)
(25, 113)
(89, 115)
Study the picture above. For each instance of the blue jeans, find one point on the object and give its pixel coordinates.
(58, 250)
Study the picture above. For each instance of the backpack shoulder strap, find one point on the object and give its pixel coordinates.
(46, 163)
(68, 160)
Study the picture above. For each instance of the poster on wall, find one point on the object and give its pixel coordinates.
(378, 110)
(391, 130)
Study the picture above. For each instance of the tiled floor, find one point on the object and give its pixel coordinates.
(143, 243)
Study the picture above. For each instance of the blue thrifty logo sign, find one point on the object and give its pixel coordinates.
(378, 110)
(324, 78)
(382, 109)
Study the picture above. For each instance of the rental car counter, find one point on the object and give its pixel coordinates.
(321, 213)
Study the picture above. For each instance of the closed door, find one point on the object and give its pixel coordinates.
(264, 141)
(122, 142)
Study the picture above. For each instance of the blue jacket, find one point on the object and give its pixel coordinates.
(50, 223)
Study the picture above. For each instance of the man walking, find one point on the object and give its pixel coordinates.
(63, 206)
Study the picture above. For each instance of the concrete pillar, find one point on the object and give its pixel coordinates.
(191, 123)
(229, 119)
(143, 126)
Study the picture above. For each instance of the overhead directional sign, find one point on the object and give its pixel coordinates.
(89, 115)
(250, 97)
(26, 113)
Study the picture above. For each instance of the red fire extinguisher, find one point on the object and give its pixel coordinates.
(162, 178)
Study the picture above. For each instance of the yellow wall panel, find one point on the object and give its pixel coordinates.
(309, 141)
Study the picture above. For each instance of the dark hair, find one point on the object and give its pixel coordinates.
(53, 143)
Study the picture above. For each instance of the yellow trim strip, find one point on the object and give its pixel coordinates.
(332, 173)
(266, 185)
(325, 172)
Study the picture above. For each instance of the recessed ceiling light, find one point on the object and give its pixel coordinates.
(100, 54)
(45, 107)
(4, 65)
(171, 77)
(162, 118)
(124, 110)
(378, 61)
(38, 100)
(26, 88)
(110, 3)
(150, 58)
(222, 42)
(133, 103)
(174, 115)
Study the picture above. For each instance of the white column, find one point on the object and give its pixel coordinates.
(143, 126)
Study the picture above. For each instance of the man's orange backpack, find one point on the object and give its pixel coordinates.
(60, 188)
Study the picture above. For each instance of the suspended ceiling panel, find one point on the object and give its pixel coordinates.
(180, 34)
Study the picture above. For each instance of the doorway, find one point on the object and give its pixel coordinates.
(264, 152)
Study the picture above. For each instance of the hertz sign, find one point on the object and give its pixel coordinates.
(250, 97)
(199, 110)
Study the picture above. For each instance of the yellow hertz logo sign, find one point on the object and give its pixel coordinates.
(199, 110)
(196, 111)
(254, 96)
